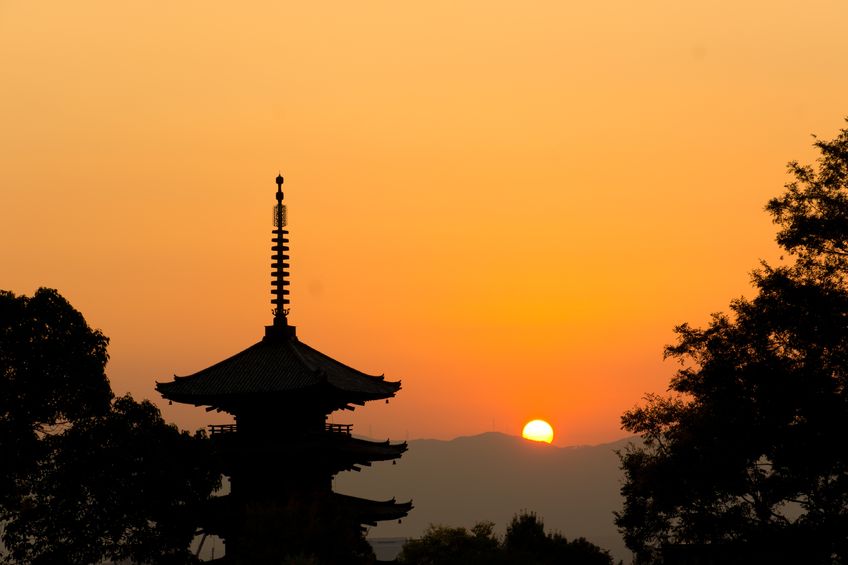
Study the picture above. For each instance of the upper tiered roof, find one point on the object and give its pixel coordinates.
(280, 364)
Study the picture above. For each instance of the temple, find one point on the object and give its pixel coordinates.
(281, 453)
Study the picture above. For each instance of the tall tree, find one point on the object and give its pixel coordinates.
(86, 477)
(51, 374)
(748, 452)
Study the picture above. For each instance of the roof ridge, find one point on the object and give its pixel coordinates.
(381, 377)
(302, 357)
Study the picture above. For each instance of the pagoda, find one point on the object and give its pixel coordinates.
(281, 453)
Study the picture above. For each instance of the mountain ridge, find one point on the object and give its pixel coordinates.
(492, 476)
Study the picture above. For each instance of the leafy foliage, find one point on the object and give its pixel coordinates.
(52, 364)
(813, 211)
(90, 478)
(51, 373)
(454, 546)
(749, 449)
(525, 543)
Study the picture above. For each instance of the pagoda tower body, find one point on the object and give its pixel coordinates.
(282, 454)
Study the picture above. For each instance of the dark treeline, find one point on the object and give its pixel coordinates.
(525, 543)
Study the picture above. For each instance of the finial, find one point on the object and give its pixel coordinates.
(280, 265)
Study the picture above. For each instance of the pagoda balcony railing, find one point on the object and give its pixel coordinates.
(339, 428)
(221, 429)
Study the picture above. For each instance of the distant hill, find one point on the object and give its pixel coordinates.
(491, 477)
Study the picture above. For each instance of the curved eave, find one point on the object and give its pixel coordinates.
(277, 367)
(333, 397)
(352, 452)
(372, 511)
(219, 512)
(377, 450)
(339, 449)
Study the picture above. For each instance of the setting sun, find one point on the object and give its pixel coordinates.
(538, 430)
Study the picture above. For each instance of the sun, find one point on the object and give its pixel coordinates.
(538, 430)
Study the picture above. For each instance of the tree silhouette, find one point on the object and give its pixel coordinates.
(85, 477)
(747, 455)
(443, 545)
(525, 543)
(51, 374)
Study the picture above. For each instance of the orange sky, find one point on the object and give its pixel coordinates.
(507, 205)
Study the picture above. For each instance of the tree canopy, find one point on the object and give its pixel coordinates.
(51, 373)
(85, 476)
(748, 449)
(525, 543)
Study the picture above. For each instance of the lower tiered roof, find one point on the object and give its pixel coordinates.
(219, 511)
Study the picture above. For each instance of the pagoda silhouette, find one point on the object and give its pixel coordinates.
(281, 453)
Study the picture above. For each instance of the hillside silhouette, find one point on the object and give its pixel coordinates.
(491, 476)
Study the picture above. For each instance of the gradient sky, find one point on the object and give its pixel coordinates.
(507, 205)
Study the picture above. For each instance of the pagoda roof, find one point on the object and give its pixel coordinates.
(372, 511)
(219, 512)
(277, 365)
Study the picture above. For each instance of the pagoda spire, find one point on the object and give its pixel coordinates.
(280, 266)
